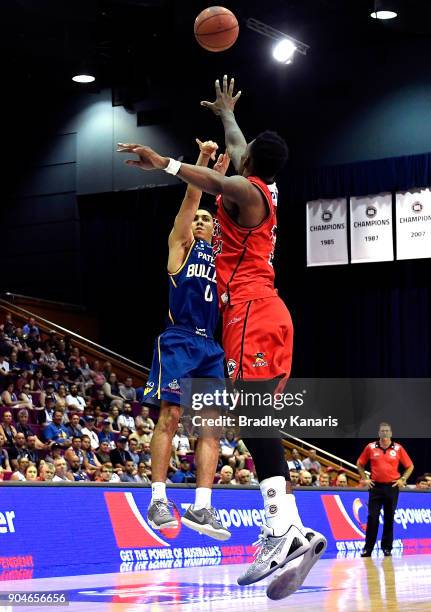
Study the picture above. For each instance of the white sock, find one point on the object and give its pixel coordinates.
(280, 508)
(158, 491)
(202, 498)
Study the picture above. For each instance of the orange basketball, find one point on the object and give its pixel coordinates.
(216, 28)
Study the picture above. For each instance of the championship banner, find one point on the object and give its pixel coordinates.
(371, 228)
(413, 213)
(327, 232)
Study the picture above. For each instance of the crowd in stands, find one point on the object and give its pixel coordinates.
(63, 418)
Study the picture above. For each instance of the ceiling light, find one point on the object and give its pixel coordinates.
(384, 14)
(83, 78)
(283, 51)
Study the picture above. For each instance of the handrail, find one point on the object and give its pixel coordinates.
(64, 330)
(39, 300)
(320, 450)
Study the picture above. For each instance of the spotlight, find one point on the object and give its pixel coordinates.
(83, 78)
(283, 51)
(384, 9)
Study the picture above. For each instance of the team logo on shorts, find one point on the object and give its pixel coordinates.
(231, 366)
(273, 509)
(149, 387)
(174, 386)
(259, 361)
(417, 207)
(271, 493)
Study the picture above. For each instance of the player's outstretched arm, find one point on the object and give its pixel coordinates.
(224, 107)
(182, 229)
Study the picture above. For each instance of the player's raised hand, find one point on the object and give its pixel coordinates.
(225, 100)
(222, 163)
(148, 158)
(208, 148)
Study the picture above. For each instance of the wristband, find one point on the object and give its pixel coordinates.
(173, 167)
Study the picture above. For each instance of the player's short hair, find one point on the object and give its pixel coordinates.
(269, 153)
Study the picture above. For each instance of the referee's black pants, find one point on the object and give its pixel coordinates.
(386, 496)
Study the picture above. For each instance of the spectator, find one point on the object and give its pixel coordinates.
(46, 472)
(60, 353)
(19, 473)
(126, 418)
(421, 483)
(19, 449)
(341, 480)
(10, 399)
(127, 391)
(32, 449)
(56, 431)
(323, 480)
(61, 397)
(73, 373)
(4, 366)
(46, 414)
(49, 359)
(30, 472)
(146, 454)
(142, 476)
(180, 442)
(145, 420)
(4, 456)
(107, 369)
(8, 326)
(90, 430)
(120, 455)
(133, 450)
(61, 472)
(30, 326)
(294, 477)
(102, 402)
(141, 437)
(129, 474)
(310, 463)
(106, 435)
(37, 384)
(226, 475)
(91, 464)
(74, 427)
(428, 479)
(295, 462)
(74, 401)
(113, 417)
(7, 428)
(305, 478)
(241, 454)
(183, 474)
(228, 445)
(244, 477)
(112, 389)
(103, 452)
(106, 473)
(23, 427)
(125, 431)
(75, 451)
(76, 469)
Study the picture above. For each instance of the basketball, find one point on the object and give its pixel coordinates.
(216, 28)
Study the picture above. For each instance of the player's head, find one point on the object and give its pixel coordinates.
(203, 225)
(264, 156)
(385, 431)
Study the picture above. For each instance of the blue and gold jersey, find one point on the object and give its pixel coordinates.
(193, 292)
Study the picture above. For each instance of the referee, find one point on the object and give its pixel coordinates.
(384, 457)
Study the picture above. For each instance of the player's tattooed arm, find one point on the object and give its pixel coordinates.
(223, 106)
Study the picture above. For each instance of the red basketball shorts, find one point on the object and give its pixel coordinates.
(258, 339)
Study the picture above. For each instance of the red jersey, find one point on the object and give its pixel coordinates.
(244, 255)
(384, 462)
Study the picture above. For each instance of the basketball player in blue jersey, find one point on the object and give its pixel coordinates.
(187, 349)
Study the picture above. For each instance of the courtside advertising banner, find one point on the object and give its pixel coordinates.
(413, 212)
(327, 232)
(371, 228)
(87, 529)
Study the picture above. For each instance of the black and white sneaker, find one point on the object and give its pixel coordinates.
(291, 578)
(205, 521)
(159, 515)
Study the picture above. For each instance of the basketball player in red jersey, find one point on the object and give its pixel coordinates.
(257, 327)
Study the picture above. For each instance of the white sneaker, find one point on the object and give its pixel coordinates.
(289, 581)
(274, 552)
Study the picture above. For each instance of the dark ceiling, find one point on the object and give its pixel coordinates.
(138, 43)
